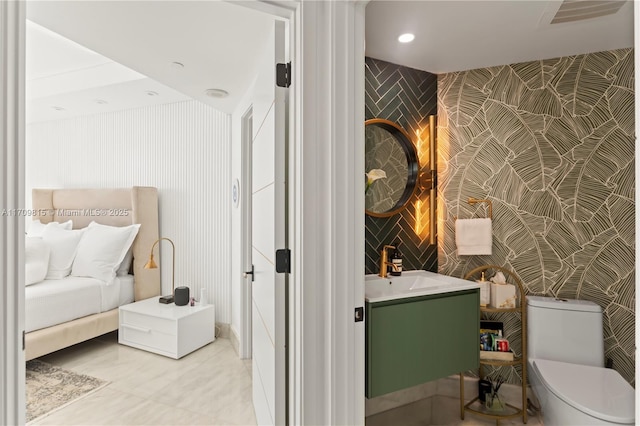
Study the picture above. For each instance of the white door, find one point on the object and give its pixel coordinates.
(268, 234)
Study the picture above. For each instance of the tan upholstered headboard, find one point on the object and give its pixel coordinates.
(115, 207)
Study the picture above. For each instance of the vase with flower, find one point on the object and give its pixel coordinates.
(372, 176)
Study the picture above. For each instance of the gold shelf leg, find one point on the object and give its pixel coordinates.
(461, 395)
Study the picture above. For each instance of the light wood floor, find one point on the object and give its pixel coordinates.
(210, 386)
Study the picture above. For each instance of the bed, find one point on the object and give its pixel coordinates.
(119, 207)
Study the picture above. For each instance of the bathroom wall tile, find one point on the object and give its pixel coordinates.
(407, 97)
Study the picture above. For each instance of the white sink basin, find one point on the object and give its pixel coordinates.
(412, 284)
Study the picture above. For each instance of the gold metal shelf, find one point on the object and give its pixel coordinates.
(474, 406)
(499, 362)
(498, 310)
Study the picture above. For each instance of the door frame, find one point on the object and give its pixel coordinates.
(12, 187)
(327, 203)
(246, 137)
(327, 166)
(326, 224)
(326, 220)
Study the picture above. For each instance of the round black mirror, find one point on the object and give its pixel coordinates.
(391, 167)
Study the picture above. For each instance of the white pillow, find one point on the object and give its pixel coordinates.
(102, 249)
(37, 228)
(125, 266)
(63, 244)
(36, 260)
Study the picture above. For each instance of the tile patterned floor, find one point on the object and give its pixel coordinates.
(211, 386)
(437, 410)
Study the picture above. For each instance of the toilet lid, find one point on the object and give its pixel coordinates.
(597, 391)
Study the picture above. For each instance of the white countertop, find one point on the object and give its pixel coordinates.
(412, 284)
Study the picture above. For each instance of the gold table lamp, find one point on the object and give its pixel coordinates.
(152, 265)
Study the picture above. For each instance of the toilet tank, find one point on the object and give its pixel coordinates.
(565, 330)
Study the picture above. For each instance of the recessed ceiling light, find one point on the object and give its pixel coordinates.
(101, 101)
(177, 65)
(216, 93)
(152, 93)
(58, 108)
(406, 38)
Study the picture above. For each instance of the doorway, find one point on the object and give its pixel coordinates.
(212, 233)
(326, 255)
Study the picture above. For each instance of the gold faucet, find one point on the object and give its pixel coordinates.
(384, 262)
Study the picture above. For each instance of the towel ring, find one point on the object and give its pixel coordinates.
(476, 200)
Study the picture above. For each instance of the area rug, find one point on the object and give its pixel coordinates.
(50, 388)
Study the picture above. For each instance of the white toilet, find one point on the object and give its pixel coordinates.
(566, 365)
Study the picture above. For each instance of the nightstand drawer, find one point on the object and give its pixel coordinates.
(147, 338)
(168, 330)
(144, 322)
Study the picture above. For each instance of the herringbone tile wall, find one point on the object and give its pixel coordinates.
(407, 97)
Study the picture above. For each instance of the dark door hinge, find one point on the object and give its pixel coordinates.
(24, 338)
(251, 272)
(283, 261)
(359, 314)
(283, 75)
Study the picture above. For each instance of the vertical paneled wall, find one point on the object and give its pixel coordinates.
(551, 143)
(407, 97)
(183, 149)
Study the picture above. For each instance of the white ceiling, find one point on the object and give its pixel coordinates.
(220, 44)
(65, 79)
(454, 35)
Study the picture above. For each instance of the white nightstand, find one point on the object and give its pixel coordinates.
(168, 330)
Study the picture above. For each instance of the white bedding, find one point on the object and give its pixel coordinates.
(126, 289)
(52, 302)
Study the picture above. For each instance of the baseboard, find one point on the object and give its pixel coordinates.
(397, 399)
(222, 330)
(235, 340)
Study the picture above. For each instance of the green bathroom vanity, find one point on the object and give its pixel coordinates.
(419, 327)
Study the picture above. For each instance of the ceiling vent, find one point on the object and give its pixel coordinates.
(578, 10)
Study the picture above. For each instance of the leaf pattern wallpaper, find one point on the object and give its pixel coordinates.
(551, 144)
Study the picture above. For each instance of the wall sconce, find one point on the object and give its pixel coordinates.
(427, 180)
(422, 218)
(153, 265)
(434, 178)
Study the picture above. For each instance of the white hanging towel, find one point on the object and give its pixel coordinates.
(474, 236)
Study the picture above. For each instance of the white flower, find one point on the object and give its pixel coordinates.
(374, 175)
